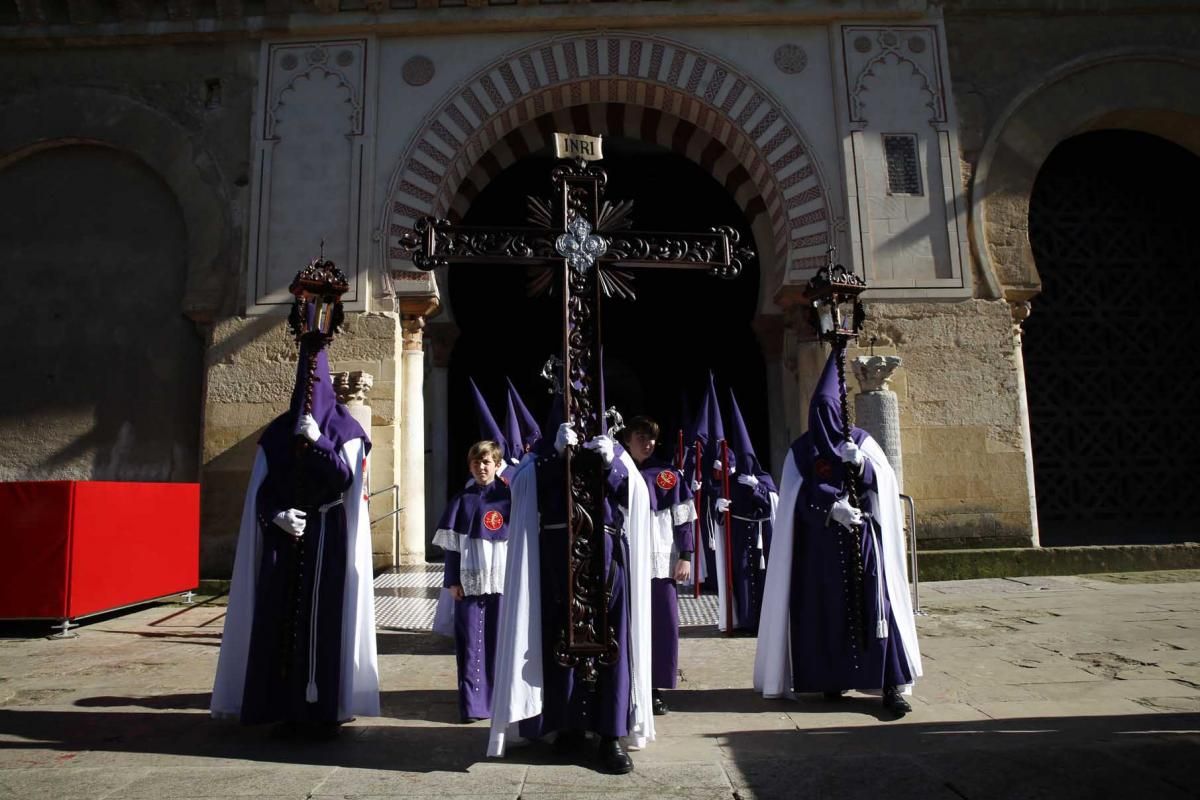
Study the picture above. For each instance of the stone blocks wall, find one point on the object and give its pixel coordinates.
(964, 463)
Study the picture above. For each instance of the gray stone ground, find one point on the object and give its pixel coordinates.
(1038, 687)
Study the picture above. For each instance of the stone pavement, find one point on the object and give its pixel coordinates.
(1039, 687)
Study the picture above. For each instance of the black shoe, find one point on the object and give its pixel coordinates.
(658, 705)
(568, 741)
(833, 696)
(613, 757)
(469, 720)
(894, 701)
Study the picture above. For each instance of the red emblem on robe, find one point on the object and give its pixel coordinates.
(493, 520)
(666, 480)
(823, 469)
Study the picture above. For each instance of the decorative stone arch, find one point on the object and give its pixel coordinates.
(693, 96)
(1155, 92)
(65, 117)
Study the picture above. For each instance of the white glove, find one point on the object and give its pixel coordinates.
(307, 427)
(723, 505)
(565, 437)
(603, 445)
(291, 521)
(748, 480)
(717, 465)
(851, 454)
(696, 485)
(845, 514)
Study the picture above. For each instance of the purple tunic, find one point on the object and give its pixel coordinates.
(295, 645)
(476, 515)
(568, 702)
(665, 494)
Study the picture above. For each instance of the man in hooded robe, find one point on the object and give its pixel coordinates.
(535, 695)
(752, 503)
(810, 638)
(299, 639)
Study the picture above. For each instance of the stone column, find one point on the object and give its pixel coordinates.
(876, 408)
(1020, 312)
(412, 439)
(351, 389)
(440, 339)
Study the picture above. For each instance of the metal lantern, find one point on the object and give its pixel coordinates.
(318, 289)
(838, 313)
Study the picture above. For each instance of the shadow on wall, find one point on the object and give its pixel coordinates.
(111, 370)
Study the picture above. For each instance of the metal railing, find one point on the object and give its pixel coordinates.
(910, 523)
(396, 509)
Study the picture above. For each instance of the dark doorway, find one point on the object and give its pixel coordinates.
(1110, 347)
(658, 350)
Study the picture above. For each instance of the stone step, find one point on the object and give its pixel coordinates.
(1014, 562)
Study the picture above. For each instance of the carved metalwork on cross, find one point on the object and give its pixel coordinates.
(587, 252)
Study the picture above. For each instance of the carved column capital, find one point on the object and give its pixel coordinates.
(874, 372)
(1020, 310)
(352, 387)
(412, 334)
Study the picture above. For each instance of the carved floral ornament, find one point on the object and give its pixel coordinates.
(874, 372)
(342, 61)
(871, 49)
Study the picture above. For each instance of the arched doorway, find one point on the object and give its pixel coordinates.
(1110, 346)
(658, 349)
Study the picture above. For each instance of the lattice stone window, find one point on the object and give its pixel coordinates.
(903, 164)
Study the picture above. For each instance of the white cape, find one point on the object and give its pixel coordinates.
(773, 658)
(359, 686)
(719, 552)
(517, 692)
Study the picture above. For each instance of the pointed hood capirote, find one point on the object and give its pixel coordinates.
(742, 449)
(520, 427)
(825, 410)
(488, 428)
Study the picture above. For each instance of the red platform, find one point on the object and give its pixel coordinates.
(74, 548)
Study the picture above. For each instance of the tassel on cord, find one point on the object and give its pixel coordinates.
(310, 692)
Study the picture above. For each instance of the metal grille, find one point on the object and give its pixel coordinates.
(903, 165)
(1110, 347)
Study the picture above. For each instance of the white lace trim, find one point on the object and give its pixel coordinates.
(482, 581)
(446, 539)
(661, 565)
(683, 513)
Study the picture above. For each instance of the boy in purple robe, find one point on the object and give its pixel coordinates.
(672, 513)
(474, 533)
(810, 638)
(299, 640)
(535, 694)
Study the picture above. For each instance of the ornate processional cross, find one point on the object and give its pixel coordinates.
(584, 248)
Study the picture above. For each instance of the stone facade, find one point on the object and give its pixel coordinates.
(906, 133)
